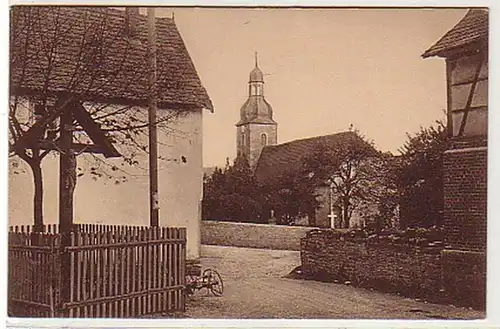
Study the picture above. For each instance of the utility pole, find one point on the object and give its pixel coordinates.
(153, 146)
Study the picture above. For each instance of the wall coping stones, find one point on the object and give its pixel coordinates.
(424, 239)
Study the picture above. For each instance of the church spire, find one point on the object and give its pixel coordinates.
(256, 128)
(256, 74)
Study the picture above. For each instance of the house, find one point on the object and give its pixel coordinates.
(287, 160)
(98, 55)
(465, 50)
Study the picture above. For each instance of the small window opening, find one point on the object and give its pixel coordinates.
(263, 139)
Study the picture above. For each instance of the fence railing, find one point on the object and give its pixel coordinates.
(33, 274)
(114, 271)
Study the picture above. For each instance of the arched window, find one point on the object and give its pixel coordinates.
(242, 139)
(263, 139)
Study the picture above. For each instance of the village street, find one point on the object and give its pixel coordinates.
(254, 287)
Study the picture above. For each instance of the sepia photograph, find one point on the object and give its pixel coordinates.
(247, 162)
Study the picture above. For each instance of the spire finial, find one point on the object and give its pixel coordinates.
(256, 62)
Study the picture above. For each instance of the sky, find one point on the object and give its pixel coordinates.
(324, 70)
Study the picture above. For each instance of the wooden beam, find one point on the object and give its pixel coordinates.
(471, 95)
(449, 118)
(39, 127)
(94, 130)
(77, 147)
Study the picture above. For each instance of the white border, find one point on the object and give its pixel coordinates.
(278, 3)
(493, 290)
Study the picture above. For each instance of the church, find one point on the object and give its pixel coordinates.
(257, 140)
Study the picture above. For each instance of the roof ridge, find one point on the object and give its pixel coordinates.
(311, 138)
(286, 158)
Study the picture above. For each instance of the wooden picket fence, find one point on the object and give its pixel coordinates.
(33, 273)
(114, 271)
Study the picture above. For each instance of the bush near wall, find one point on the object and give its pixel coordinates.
(409, 262)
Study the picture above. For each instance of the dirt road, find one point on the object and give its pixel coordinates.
(255, 288)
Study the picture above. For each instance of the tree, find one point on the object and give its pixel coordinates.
(384, 194)
(354, 170)
(232, 194)
(44, 81)
(419, 176)
(292, 196)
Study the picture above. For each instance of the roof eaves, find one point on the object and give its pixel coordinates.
(468, 31)
(470, 46)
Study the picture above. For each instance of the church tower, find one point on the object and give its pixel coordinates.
(256, 128)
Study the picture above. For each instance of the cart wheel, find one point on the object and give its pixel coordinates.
(190, 284)
(214, 281)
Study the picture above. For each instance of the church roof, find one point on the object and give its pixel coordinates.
(118, 76)
(256, 110)
(256, 75)
(470, 30)
(285, 159)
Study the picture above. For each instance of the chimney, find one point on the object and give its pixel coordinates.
(131, 18)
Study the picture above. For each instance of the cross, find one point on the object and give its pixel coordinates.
(333, 216)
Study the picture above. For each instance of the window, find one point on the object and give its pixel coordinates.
(263, 139)
(253, 90)
(258, 90)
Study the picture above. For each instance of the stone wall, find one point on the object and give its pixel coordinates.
(255, 141)
(410, 270)
(248, 235)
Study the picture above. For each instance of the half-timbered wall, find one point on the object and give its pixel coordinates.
(461, 75)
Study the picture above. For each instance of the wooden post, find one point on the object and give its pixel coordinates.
(67, 171)
(449, 117)
(471, 96)
(153, 146)
(67, 182)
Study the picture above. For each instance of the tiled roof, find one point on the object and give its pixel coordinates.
(116, 69)
(472, 28)
(278, 160)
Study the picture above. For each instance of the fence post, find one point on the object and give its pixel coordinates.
(55, 278)
(65, 266)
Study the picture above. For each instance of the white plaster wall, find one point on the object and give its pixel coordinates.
(104, 202)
